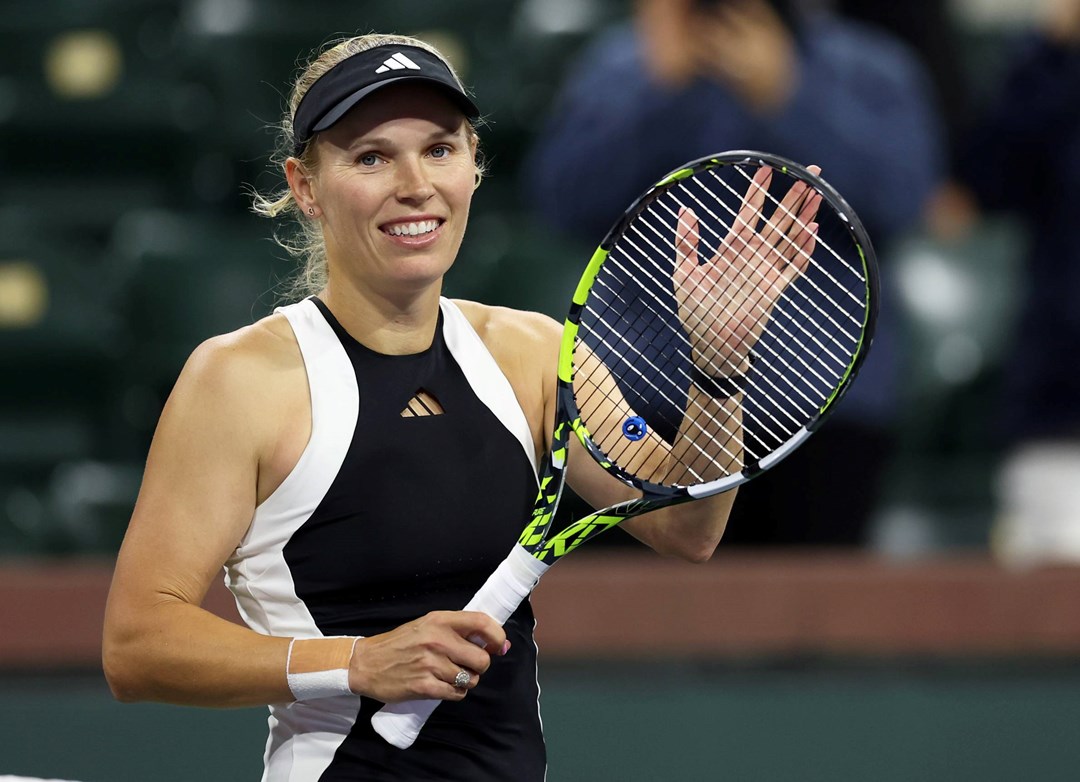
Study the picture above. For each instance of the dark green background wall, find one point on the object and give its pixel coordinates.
(883, 722)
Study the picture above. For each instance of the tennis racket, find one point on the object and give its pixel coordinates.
(716, 326)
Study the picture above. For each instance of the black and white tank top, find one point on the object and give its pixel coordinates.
(415, 483)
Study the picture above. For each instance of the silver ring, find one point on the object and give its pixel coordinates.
(461, 681)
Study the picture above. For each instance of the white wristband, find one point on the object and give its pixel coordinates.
(317, 684)
(321, 684)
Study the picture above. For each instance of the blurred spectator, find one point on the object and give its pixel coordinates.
(1024, 157)
(688, 78)
(928, 27)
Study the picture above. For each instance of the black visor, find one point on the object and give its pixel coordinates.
(353, 79)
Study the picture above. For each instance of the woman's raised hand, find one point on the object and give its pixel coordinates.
(725, 301)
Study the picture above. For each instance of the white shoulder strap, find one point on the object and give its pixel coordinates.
(484, 375)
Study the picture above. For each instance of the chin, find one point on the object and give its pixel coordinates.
(422, 276)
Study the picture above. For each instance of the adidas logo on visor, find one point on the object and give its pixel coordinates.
(397, 62)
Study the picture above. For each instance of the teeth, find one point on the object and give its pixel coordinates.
(413, 229)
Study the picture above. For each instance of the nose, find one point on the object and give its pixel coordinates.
(413, 182)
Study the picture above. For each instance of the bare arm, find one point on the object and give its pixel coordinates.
(197, 498)
(527, 349)
(690, 531)
(227, 427)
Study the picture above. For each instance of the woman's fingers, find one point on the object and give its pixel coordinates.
(686, 245)
(744, 229)
(784, 215)
(797, 252)
(426, 657)
(460, 680)
(725, 304)
(785, 236)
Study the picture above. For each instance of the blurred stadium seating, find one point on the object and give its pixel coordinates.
(129, 133)
(129, 130)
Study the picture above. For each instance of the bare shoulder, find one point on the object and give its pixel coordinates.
(509, 331)
(249, 371)
(265, 347)
(212, 456)
(525, 345)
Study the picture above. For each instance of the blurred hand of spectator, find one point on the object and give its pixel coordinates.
(745, 45)
(742, 44)
(1063, 21)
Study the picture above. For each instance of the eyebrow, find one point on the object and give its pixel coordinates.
(382, 141)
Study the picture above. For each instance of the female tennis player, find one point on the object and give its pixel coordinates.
(361, 460)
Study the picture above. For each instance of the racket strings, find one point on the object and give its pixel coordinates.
(808, 280)
(632, 350)
(587, 391)
(600, 426)
(770, 197)
(842, 362)
(668, 312)
(855, 312)
(796, 290)
(799, 324)
(760, 350)
(731, 367)
(630, 347)
(781, 374)
(759, 215)
(761, 310)
(822, 241)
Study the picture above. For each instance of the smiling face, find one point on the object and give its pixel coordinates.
(392, 186)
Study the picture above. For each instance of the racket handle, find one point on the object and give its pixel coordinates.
(499, 597)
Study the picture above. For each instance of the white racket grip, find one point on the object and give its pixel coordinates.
(499, 597)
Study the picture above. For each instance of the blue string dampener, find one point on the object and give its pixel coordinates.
(634, 428)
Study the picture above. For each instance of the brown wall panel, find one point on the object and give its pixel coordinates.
(621, 605)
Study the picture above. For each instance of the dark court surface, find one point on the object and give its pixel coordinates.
(806, 720)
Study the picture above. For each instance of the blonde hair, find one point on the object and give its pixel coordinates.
(305, 239)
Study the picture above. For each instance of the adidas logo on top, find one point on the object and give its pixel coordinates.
(397, 62)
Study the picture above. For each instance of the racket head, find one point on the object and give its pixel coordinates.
(816, 326)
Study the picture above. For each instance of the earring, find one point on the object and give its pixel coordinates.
(479, 177)
(311, 211)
